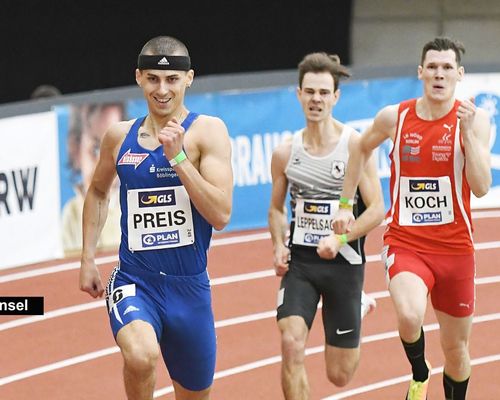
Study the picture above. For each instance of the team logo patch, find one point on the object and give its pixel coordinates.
(134, 159)
(130, 309)
(118, 294)
(338, 169)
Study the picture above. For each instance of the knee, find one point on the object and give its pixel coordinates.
(292, 347)
(410, 323)
(340, 375)
(456, 353)
(141, 358)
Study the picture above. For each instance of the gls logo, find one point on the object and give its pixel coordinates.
(157, 198)
(424, 185)
(316, 208)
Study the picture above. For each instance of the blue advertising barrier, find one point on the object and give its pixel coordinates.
(258, 120)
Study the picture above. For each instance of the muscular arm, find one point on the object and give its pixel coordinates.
(382, 128)
(211, 188)
(277, 218)
(371, 193)
(475, 131)
(95, 211)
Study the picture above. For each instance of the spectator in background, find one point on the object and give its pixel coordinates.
(44, 91)
(88, 123)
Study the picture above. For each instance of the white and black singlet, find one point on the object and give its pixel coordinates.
(315, 188)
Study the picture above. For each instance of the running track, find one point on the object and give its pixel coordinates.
(69, 353)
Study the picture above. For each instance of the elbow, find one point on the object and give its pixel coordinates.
(222, 221)
(481, 191)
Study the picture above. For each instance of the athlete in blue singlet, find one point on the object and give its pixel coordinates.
(175, 186)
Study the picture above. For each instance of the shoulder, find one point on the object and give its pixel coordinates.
(384, 123)
(209, 123)
(207, 131)
(388, 115)
(354, 136)
(118, 131)
(282, 152)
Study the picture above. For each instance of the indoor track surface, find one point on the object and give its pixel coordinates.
(69, 353)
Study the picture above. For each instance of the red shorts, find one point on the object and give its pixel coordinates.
(449, 278)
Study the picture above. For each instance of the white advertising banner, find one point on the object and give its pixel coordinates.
(30, 229)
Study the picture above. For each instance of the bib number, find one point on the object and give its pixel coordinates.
(425, 201)
(159, 218)
(313, 221)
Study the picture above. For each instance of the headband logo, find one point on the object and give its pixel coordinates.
(163, 61)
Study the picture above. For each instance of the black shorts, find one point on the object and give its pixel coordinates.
(310, 278)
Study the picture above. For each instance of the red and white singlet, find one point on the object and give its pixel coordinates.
(430, 195)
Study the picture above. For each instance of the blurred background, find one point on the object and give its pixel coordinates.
(67, 73)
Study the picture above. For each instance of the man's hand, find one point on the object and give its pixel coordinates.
(328, 247)
(281, 260)
(466, 112)
(172, 137)
(90, 279)
(342, 221)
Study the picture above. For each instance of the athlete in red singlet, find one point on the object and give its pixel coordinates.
(440, 155)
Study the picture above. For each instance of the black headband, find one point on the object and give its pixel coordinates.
(178, 63)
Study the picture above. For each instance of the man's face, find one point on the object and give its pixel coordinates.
(317, 95)
(164, 89)
(440, 74)
(92, 134)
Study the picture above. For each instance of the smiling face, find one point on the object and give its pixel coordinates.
(164, 89)
(440, 73)
(317, 96)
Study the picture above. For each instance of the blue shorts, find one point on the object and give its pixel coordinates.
(180, 311)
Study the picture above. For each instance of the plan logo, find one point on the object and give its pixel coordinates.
(160, 238)
(426, 218)
(313, 238)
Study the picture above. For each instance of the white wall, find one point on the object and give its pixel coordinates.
(393, 32)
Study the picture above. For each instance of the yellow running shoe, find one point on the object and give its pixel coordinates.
(418, 390)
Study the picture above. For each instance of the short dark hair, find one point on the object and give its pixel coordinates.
(164, 45)
(45, 91)
(443, 44)
(323, 62)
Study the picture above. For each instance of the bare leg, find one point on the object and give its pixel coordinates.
(140, 351)
(294, 333)
(409, 296)
(341, 364)
(182, 393)
(455, 333)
